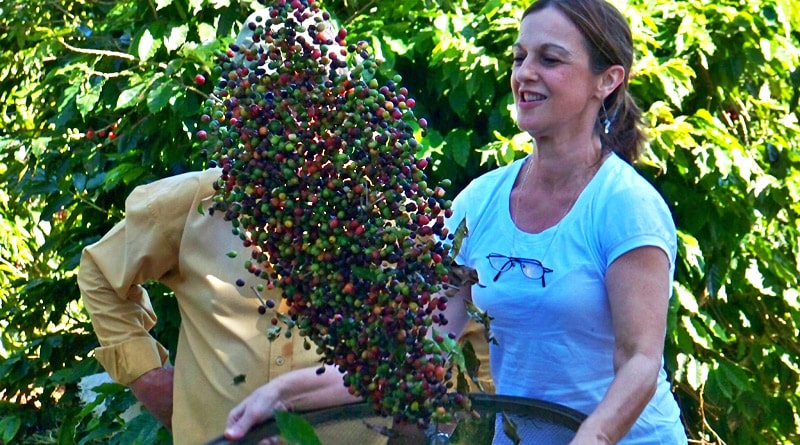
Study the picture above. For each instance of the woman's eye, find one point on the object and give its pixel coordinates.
(550, 60)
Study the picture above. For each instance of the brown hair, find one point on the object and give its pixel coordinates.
(609, 42)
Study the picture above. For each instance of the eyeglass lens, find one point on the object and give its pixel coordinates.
(532, 269)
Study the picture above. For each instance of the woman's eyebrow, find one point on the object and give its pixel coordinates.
(545, 47)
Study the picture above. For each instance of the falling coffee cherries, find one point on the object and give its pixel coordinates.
(321, 183)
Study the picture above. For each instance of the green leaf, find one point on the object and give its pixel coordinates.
(295, 429)
(735, 376)
(239, 379)
(459, 99)
(96, 181)
(458, 142)
(148, 45)
(176, 37)
(196, 5)
(510, 429)
(364, 273)
(399, 47)
(130, 97)
(142, 429)
(451, 348)
(66, 433)
(79, 181)
(39, 146)
(162, 94)
(70, 93)
(9, 426)
(784, 415)
(89, 99)
(472, 363)
(458, 237)
(124, 173)
(161, 4)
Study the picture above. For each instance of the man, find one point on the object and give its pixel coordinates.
(223, 352)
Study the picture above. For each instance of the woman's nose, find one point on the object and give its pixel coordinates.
(526, 70)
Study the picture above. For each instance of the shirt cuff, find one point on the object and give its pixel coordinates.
(126, 361)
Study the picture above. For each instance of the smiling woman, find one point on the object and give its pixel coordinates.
(593, 338)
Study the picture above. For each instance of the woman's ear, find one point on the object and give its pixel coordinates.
(610, 80)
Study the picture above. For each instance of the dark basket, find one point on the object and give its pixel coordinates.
(535, 422)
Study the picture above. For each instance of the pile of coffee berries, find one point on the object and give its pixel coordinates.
(321, 182)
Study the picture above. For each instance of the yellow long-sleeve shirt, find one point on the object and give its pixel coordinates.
(166, 238)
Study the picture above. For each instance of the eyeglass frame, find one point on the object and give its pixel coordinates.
(511, 261)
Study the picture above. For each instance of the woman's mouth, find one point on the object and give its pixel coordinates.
(531, 97)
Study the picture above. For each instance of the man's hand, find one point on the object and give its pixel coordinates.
(154, 390)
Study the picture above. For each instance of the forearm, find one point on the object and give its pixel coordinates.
(304, 389)
(300, 390)
(154, 389)
(632, 388)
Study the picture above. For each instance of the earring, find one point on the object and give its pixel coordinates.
(606, 121)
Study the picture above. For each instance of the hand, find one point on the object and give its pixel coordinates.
(154, 390)
(588, 434)
(259, 406)
(590, 441)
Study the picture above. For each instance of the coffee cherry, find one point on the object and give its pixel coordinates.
(321, 182)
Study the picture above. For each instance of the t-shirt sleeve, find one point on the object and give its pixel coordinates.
(637, 217)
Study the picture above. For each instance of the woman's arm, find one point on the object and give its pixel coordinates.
(300, 389)
(638, 285)
(456, 311)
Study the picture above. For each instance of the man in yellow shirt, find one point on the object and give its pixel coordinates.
(223, 352)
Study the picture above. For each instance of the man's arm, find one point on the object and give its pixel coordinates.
(154, 390)
(143, 247)
(301, 390)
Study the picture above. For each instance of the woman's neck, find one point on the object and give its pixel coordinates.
(556, 167)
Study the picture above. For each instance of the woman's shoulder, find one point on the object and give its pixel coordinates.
(627, 206)
(622, 180)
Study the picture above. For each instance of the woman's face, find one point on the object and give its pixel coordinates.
(555, 92)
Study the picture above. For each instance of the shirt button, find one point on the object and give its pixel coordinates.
(279, 361)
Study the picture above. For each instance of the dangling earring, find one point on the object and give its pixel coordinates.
(606, 121)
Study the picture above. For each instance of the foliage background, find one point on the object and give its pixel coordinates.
(98, 97)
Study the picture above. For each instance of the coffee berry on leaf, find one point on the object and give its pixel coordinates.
(321, 182)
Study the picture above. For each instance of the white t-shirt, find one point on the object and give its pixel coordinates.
(556, 341)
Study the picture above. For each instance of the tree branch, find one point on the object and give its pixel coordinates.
(97, 52)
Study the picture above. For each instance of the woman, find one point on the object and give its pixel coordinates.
(574, 250)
